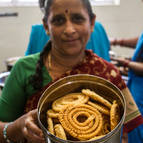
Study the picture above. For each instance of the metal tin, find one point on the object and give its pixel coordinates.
(75, 83)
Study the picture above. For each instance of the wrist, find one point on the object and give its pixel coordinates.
(5, 135)
(126, 63)
(121, 42)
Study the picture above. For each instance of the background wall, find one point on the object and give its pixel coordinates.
(125, 20)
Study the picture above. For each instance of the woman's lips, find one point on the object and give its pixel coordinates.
(71, 41)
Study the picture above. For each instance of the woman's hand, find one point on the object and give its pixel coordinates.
(28, 128)
(121, 61)
(122, 64)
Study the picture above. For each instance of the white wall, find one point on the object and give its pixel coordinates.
(14, 31)
(125, 20)
(122, 21)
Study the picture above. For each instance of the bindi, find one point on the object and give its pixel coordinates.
(66, 11)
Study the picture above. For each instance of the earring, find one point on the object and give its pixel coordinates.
(92, 29)
(47, 32)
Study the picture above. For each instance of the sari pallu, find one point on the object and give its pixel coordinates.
(94, 65)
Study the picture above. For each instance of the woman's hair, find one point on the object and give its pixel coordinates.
(41, 5)
(37, 79)
(86, 4)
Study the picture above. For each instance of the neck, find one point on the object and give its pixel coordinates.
(63, 63)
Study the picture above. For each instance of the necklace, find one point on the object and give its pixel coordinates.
(49, 61)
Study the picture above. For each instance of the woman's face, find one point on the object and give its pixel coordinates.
(69, 26)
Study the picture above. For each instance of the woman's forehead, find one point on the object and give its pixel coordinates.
(66, 5)
(67, 1)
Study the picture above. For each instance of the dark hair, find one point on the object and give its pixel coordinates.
(41, 3)
(37, 79)
(86, 4)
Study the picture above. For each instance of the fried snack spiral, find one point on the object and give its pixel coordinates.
(82, 116)
(114, 115)
(73, 98)
(96, 97)
(85, 129)
(101, 108)
(59, 131)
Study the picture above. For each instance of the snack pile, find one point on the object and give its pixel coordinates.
(82, 116)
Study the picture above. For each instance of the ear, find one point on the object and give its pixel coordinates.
(93, 23)
(46, 27)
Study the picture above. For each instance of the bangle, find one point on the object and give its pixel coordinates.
(122, 42)
(5, 132)
(126, 63)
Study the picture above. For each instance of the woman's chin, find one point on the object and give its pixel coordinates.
(74, 52)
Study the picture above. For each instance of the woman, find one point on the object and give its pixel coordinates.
(98, 41)
(135, 84)
(69, 24)
(125, 42)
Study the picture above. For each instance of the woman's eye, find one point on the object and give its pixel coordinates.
(78, 19)
(58, 20)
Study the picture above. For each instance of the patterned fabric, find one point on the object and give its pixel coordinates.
(93, 65)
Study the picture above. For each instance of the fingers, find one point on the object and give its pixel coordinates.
(34, 113)
(113, 41)
(31, 137)
(120, 60)
(31, 130)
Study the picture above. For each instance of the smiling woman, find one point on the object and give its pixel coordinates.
(69, 24)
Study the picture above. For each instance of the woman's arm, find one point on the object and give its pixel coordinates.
(23, 128)
(12, 103)
(129, 42)
(137, 67)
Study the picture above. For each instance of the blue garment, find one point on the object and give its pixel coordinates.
(135, 84)
(38, 38)
(98, 41)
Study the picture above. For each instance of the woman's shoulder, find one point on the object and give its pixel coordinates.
(99, 60)
(28, 61)
(105, 69)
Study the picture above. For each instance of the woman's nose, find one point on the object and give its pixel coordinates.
(69, 28)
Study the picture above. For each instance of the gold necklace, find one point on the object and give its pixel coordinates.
(49, 61)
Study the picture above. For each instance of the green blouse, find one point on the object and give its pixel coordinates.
(17, 87)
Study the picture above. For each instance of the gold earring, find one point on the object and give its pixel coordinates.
(47, 32)
(92, 30)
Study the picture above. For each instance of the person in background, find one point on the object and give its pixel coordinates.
(135, 80)
(69, 24)
(98, 41)
(125, 42)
